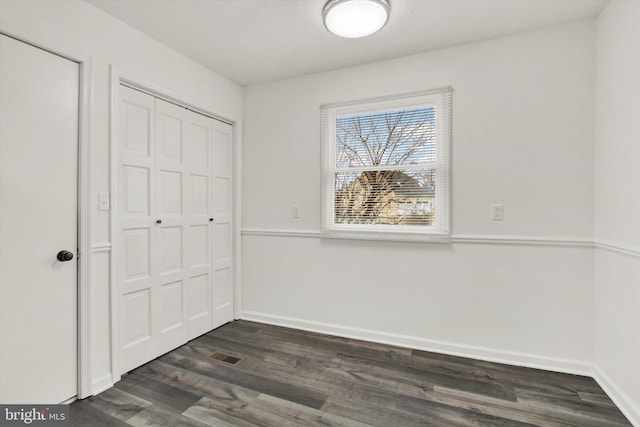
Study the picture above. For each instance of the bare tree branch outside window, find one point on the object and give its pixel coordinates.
(384, 164)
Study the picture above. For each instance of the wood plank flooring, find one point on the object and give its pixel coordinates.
(287, 377)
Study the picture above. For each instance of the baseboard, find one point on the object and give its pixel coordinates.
(629, 408)
(482, 353)
(101, 384)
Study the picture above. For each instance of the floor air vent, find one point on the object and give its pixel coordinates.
(225, 358)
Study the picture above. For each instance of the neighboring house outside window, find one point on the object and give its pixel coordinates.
(385, 167)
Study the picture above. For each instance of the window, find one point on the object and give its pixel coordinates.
(386, 167)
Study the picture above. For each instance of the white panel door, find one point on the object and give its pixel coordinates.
(199, 217)
(136, 236)
(173, 238)
(223, 223)
(173, 201)
(38, 218)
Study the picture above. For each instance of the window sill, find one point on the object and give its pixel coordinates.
(386, 236)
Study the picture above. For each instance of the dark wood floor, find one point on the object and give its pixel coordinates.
(287, 377)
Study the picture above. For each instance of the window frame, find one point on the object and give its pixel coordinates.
(438, 98)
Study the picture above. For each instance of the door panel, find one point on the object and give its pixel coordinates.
(170, 194)
(136, 218)
(38, 218)
(223, 226)
(199, 245)
(199, 314)
(137, 316)
(136, 184)
(171, 249)
(137, 265)
(172, 311)
(172, 199)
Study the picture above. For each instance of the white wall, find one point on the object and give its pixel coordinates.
(617, 203)
(523, 135)
(81, 29)
(522, 132)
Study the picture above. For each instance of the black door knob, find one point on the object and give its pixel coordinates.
(64, 256)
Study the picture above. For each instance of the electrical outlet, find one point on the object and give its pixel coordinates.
(103, 201)
(497, 212)
(295, 211)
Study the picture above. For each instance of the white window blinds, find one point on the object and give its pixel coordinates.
(385, 166)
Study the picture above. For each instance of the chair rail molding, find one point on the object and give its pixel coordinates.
(100, 247)
(454, 238)
(618, 248)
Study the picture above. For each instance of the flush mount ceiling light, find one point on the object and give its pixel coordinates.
(355, 18)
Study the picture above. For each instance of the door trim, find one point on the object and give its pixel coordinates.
(84, 216)
(118, 77)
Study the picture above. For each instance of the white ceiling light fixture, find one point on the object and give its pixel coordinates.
(355, 18)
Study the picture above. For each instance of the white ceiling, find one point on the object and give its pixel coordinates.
(254, 41)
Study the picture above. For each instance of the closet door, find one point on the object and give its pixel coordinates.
(136, 238)
(223, 223)
(173, 203)
(200, 224)
(175, 235)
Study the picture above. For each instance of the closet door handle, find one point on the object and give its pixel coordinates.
(210, 219)
(158, 221)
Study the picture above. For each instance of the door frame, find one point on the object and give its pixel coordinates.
(118, 77)
(85, 213)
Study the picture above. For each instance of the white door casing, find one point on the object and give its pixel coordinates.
(39, 122)
(166, 219)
